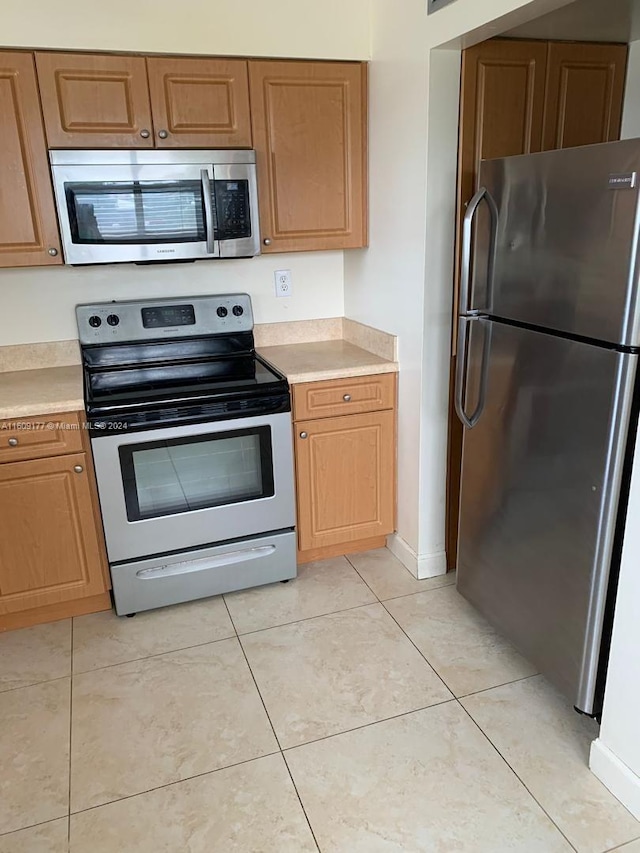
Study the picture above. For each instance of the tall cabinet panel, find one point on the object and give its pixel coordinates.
(28, 228)
(95, 100)
(309, 132)
(585, 88)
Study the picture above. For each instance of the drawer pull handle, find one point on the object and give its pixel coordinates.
(304, 434)
(347, 398)
(13, 442)
(78, 469)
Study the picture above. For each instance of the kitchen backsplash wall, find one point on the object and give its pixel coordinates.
(38, 304)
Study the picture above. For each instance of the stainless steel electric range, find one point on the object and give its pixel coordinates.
(191, 439)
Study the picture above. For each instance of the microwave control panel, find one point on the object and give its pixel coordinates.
(233, 209)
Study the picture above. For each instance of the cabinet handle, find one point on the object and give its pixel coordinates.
(303, 434)
(78, 469)
(267, 241)
(13, 442)
(53, 252)
(145, 134)
(163, 134)
(347, 398)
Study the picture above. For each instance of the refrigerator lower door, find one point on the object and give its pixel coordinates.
(541, 482)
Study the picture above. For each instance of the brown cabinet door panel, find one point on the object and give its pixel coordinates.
(28, 225)
(309, 131)
(345, 478)
(95, 101)
(200, 103)
(50, 549)
(585, 88)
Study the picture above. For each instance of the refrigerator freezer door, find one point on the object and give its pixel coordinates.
(540, 485)
(567, 241)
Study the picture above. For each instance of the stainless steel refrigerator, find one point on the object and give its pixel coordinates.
(549, 335)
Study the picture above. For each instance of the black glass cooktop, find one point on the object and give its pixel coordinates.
(174, 381)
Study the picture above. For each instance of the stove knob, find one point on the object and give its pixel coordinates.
(113, 319)
(238, 310)
(222, 311)
(95, 321)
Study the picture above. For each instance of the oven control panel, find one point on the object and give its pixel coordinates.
(153, 319)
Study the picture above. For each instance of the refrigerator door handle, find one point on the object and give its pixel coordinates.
(461, 369)
(483, 194)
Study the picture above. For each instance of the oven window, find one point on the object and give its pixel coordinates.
(136, 212)
(180, 475)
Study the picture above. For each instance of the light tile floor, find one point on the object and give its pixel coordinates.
(353, 710)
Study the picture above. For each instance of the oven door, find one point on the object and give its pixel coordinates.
(134, 212)
(180, 487)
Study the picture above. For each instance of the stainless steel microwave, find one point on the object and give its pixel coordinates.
(143, 206)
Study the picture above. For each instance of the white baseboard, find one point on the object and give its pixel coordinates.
(424, 566)
(616, 776)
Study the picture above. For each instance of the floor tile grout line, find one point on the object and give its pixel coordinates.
(420, 652)
(496, 686)
(512, 769)
(368, 725)
(253, 678)
(174, 782)
(309, 618)
(304, 811)
(226, 607)
(7, 832)
(403, 594)
(34, 684)
(362, 578)
(157, 654)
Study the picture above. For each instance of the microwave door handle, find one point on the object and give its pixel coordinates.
(208, 211)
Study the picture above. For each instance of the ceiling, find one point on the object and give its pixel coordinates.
(586, 20)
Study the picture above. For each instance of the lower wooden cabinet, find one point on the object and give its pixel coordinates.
(346, 473)
(52, 560)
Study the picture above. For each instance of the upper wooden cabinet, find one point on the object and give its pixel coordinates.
(107, 101)
(502, 104)
(585, 89)
(200, 103)
(94, 100)
(28, 227)
(309, 132)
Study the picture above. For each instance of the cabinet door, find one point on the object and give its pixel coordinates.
(50, 548)
(200, 103)
(309, 132)
(345, 478)
(585, 89)
(28, 225)
(95, 101)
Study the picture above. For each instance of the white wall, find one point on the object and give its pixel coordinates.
(37, 304)
(631, 107)
(403, 282)
(331, 29)
(615, 756)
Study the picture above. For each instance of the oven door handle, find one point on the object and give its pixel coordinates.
(208, 211)
(205, 563)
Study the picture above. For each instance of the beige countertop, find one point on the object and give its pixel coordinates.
(311, 362)
(45, 391)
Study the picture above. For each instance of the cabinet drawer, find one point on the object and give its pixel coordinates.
(33, 438)
(344, 396)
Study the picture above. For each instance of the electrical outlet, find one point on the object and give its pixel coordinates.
(283, 282)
